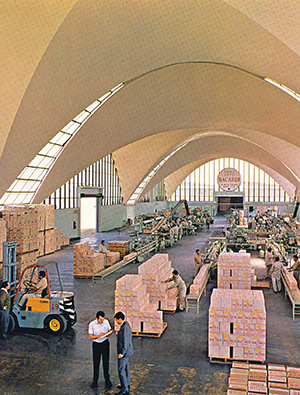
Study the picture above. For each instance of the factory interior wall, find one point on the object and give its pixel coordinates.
(68, 220)
(145, 208)
(111, 217)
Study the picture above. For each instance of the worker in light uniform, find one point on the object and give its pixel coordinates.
(181, 288)
(268, 261)
(103, 250)
(296, 269)
(275, 273)
(199, 262)
(36, 288)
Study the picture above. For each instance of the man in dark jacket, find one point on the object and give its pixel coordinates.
(4, 308)
(124, 350)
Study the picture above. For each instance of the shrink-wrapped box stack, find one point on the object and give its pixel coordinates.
(237, 325)
(153, 272)
(132, 298)
(289, 278)
(3, 237)
(200, 280)
(234, 270)
(119, 246)
(86, 260)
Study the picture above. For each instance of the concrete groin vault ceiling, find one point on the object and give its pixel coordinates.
(193, 73)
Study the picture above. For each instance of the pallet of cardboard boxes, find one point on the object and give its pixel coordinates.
(143, 297)
(26, 225)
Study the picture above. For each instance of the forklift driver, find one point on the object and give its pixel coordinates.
(37, 289)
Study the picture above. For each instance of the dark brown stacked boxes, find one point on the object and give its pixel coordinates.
(119, 246)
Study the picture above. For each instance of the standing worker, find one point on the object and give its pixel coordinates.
(103, 250)
(199, 262)
(181, 288)
(275, 273)
(268, 261)
(124, 350)
(4, 308)
(207, 222)
(296, 269)
(99, 331)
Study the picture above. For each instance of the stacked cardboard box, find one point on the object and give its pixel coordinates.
(119, 246)
(32, 226)
(130, 256)
(153, 272)
(131, 297)
(234, 270)
(289, 278)
(50, 239)
(112, 258)
(242, 219)
(3, 237)
(25, 260)
(200, 280)
(22, 226)
(255, 379)
(86, 260)
(237, 325)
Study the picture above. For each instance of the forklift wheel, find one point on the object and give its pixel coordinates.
(55, 324)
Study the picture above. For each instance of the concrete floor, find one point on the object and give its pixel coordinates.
(35, 362)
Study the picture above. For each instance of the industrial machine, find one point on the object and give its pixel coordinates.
(54, 310)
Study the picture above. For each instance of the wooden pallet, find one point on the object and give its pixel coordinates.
(149, 334)
(260, 284)
(83, 275)
(230, 360)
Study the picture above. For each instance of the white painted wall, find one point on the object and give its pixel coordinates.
(111, 217)
(66, 220)
(145, 208)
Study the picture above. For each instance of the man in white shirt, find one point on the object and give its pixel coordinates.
(99, 331)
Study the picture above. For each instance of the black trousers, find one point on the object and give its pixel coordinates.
(98, 350)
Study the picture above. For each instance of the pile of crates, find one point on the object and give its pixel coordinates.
(143, 297)
(131, 297)
(29, 226)
(200, 280)
(237, 325)
(86, 261)
(246, 379)
(234, 270)
(119, 246)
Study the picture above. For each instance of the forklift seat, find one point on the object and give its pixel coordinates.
(45, 293)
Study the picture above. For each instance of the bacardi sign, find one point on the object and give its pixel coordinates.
(229, 179)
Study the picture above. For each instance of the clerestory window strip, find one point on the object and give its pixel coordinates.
(38, 168)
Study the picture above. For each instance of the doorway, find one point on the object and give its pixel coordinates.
(226, 203)
(88, 215)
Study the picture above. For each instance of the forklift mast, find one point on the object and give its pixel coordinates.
(10, 262)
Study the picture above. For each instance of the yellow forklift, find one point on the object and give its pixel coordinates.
(53, 309)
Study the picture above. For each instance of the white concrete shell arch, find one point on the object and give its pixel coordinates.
(61, 55)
